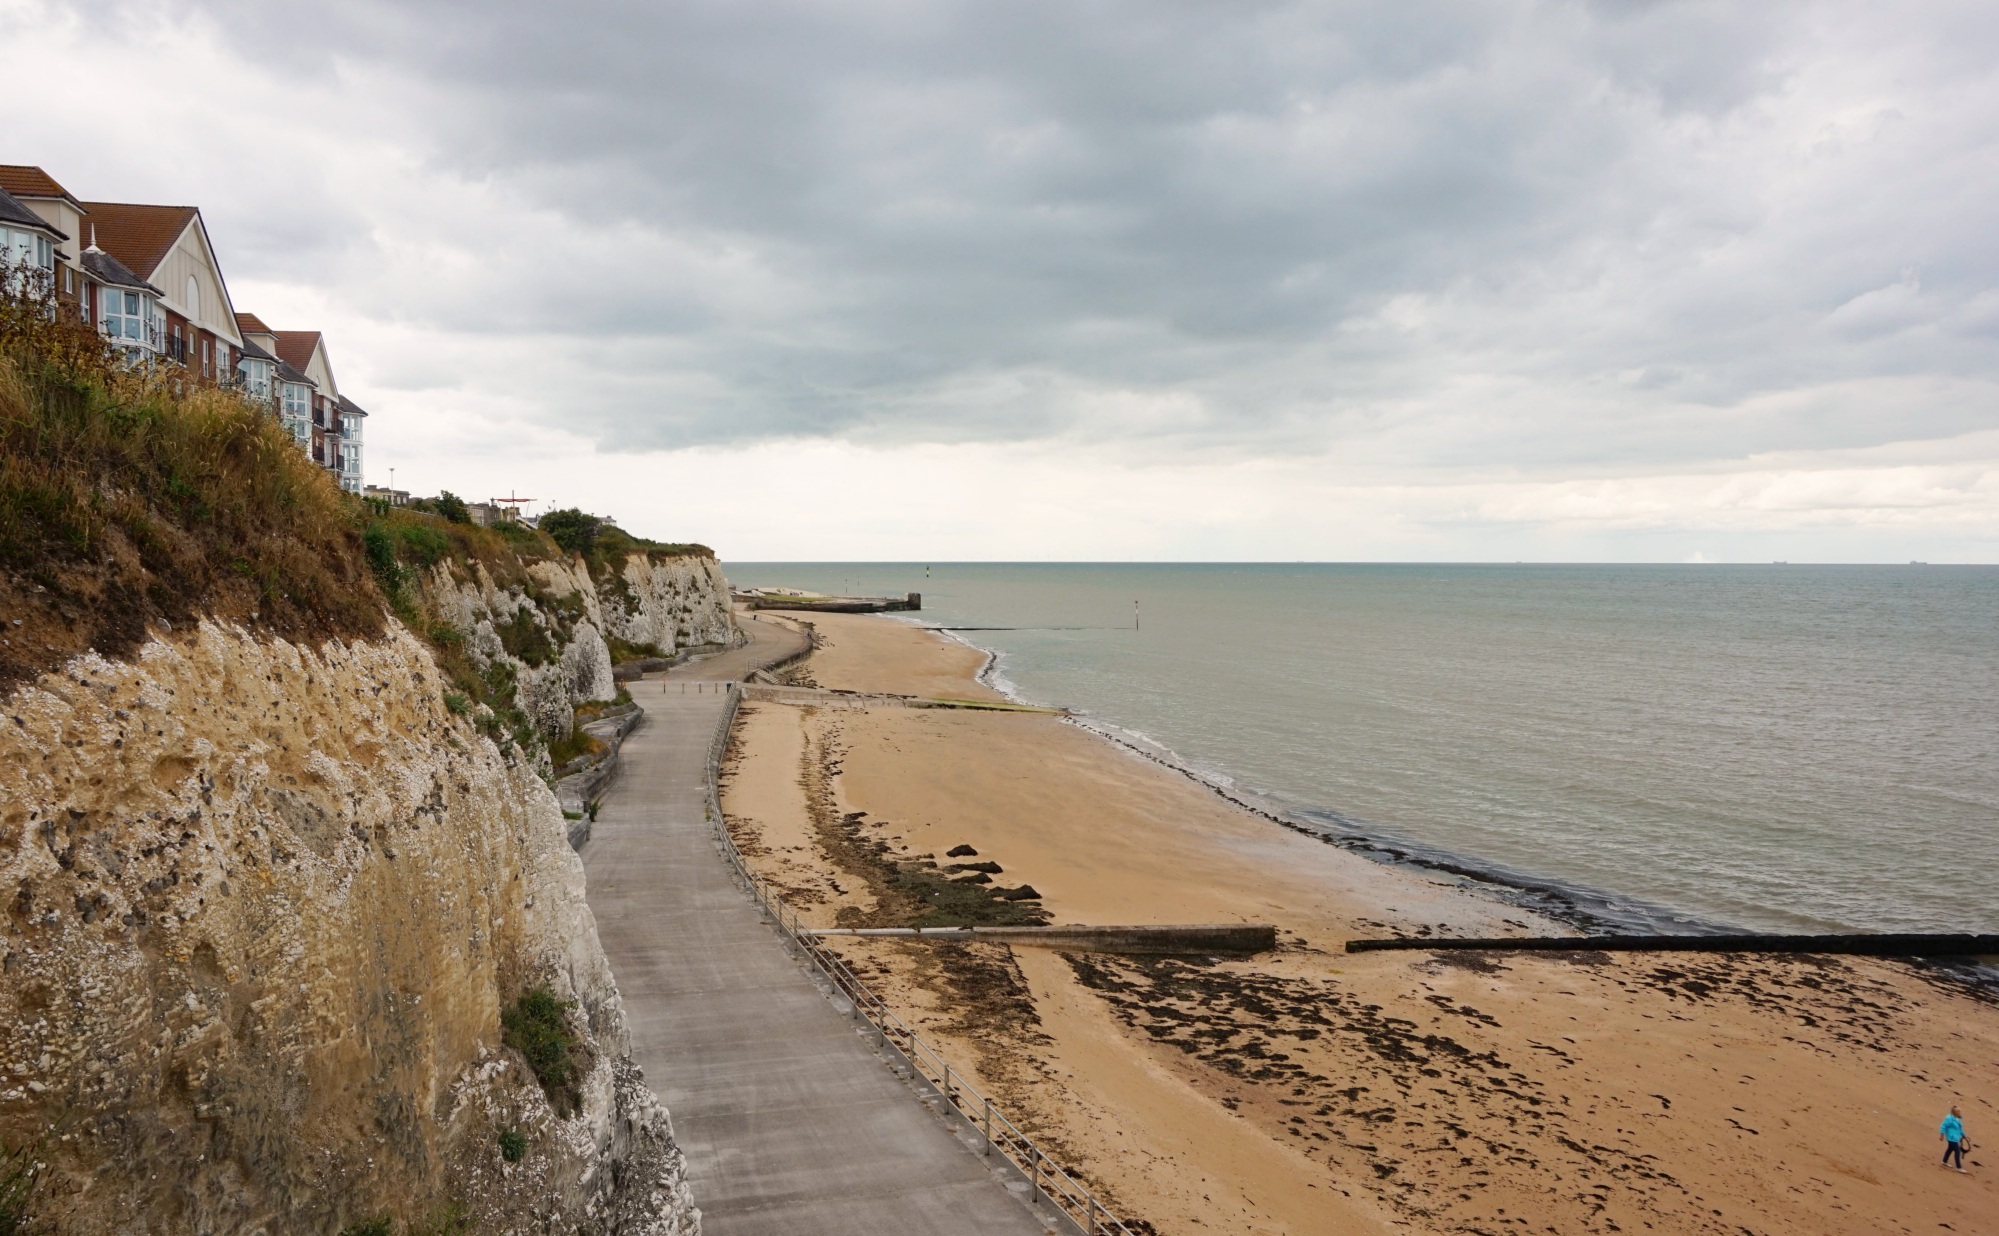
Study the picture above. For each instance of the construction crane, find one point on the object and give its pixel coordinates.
(509, 504)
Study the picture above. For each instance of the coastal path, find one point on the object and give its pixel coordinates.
(789, 1121)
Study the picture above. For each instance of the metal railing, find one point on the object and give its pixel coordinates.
(1047, 1181)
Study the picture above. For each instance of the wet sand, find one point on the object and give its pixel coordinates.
(1309, 1090)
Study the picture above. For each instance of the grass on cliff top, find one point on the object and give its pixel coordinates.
(605, 546)
(131, 497)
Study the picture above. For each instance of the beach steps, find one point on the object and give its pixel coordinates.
(1877, 945)
(1239, 939)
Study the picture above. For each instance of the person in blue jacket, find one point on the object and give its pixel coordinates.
(1952, 1135)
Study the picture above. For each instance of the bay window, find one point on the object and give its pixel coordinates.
(129, 318)
(298, 411)
(256, 376)
(27, 257)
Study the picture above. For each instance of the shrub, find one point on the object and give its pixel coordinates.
(578, 744)
(513, 1145)
(422, 543)
(380, 1225)
(574, 531)
(525, 638)
(537, 1026)
(379, 545)
(452, 507)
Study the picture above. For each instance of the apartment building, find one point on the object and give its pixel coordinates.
(27, 244)
(149, 279)
(34, 192)
(305, 395)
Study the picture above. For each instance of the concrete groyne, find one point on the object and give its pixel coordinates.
(1878, 945)
(1178, 939)
(829, 605)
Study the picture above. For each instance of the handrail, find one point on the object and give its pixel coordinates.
(1046, 1178)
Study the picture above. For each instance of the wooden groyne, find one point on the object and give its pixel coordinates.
(1881, 945)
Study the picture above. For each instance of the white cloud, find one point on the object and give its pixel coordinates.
(1449, 279)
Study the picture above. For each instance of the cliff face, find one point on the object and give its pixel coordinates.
(670, 603)
(546, 629)
(291, 934)
(264, 905)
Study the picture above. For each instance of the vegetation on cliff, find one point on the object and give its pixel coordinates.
(131, 498)
(135, 499)
(270, 890)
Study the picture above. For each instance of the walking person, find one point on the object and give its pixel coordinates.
(1952, 1136)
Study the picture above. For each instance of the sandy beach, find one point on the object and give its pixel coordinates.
(1308, 1090)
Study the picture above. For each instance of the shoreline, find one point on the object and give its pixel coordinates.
(1292, 1092)
(1588, 910)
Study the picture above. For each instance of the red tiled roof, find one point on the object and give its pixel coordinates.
(250, 321)
(27, 180)
(295, 347)
(138, 236)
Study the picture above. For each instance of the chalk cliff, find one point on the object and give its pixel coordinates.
(265, 902)
(292, 938)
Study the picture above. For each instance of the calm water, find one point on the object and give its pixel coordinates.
(1787, 748)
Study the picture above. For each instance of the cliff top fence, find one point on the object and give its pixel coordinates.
(1047, 1181)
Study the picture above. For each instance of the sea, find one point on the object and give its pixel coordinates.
(1660, 748)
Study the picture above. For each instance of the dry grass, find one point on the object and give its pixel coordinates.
(133, 498)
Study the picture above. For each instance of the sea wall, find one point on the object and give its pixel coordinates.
(264, 905)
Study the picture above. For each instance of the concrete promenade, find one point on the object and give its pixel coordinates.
(790, 1123)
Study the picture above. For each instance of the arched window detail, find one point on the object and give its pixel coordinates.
(193, 301)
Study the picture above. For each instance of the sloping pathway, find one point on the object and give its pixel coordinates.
(790, 1123)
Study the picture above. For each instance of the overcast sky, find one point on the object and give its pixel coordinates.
(897, 279)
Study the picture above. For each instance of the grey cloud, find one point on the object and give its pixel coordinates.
(972, 218)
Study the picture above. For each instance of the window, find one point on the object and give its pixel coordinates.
(350, 428)
(350, 458)
(129, 318)
(28, 249)
(298, 411)
(23, 254)
(256, 377)
(207, 359)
